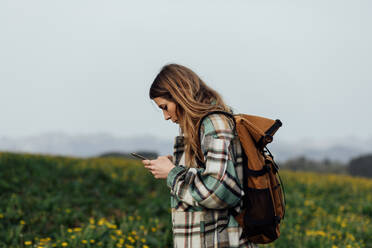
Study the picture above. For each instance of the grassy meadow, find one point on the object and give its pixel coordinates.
(50, 201)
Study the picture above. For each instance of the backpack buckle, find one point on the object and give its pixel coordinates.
(274, 165)
(268, 138)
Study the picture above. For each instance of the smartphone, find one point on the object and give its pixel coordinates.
(139, 156)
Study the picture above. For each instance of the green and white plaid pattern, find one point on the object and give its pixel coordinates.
(200, 197)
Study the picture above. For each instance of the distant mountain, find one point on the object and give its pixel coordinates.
(85, 145)
(341, 149)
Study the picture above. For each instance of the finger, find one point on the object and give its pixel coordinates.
(146, 162)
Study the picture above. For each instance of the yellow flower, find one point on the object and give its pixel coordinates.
(77, 229)
(145, 246)
(131, 239)
(92, 241)
(69, 230)
(118, 232)
(1, 216)
(143, 240)
(321, 233)
(64, 244)
(22, 222)
(153, 229)
(91, 221)
(84, 241)
(352, 237)
(73, 236)
(131, 218)
(101, 221)
(28, 242)
(68, 210)
(315, 233)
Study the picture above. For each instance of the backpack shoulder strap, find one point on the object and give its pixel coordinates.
(231, 116)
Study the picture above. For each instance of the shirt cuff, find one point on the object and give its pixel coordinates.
(173, 174)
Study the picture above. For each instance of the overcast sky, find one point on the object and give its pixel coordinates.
(84, 67)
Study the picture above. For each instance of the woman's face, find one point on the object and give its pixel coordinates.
(169, 108)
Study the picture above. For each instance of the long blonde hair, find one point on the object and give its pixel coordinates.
(193, 99)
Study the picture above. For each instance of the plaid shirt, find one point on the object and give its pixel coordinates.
(200, 197)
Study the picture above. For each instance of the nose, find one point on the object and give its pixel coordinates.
(166, 115)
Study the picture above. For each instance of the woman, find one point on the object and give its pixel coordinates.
(205, 174)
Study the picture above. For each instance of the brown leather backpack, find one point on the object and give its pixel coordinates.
(264, 200)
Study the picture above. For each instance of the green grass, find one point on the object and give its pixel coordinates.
(48, 201)
(43, 196)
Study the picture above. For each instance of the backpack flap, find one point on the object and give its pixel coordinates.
(250, 131)
(260, 128)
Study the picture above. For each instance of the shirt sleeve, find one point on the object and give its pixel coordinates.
(215, 186)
